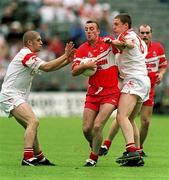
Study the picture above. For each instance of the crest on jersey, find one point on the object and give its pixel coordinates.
(154, 53)
(101, 49)
(90, 54)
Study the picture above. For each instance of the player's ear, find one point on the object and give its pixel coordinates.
(29, 42)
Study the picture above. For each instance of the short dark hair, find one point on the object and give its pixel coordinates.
(93, 21)
(124, 18)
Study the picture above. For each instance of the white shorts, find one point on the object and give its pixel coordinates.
(139, 85)
(8, 103)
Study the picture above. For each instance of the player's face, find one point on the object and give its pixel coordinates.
(119, 27)
(37, 44)
(92, 32)
(145, 33)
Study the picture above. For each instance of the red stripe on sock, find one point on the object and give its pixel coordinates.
(28, 153)
(39, 155)
(130, 147)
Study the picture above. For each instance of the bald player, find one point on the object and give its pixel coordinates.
(16, 88)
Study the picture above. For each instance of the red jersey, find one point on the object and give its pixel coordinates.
(155, 59)
(105, 80)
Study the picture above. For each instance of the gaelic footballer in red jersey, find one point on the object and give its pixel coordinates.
(103, 93)
(156, 65)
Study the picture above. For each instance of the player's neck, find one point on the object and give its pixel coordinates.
(93, 43)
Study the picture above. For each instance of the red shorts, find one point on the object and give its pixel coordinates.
(150, 101)
(94, 102)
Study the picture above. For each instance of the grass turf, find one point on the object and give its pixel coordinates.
(63, 143)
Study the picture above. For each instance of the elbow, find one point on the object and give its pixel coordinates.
(74, 73)
(46, 67)
(46, 70)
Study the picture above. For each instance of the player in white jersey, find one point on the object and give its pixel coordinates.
(156, 63)
(16, 88)
(135, 86)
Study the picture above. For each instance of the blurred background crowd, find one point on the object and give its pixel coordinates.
(59, 21)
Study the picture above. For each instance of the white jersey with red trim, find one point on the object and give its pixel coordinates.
(20, 74)
(131, 62)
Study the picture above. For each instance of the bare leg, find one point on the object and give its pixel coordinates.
(25, 116)
(126, 106)
(146, 113)
(36, 146)
(135, 128)
(88, 121)
(113, 130)
(104, 113)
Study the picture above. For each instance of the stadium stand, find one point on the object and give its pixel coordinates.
(55, 18)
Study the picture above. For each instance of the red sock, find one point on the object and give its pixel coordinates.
(93, 156)
(130, 147)
(40, 155)
(28, 153)
(107, 143)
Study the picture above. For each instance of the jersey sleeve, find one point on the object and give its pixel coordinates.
(162, 58)
(79, 55)
(114, 49)
(32, 61)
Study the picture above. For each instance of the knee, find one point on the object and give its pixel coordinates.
(145, 121)
(119, 118)
(34, 123)
(87, 129)
(97, 129)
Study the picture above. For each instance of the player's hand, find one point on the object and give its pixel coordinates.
(91, 64)
(117, 42)
(159, 77)
(107, 40)
(70, 50)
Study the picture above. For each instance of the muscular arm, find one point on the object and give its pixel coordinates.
(54, 64)
(120, 44)
(79, 69)
(61, 61)
(160, 74)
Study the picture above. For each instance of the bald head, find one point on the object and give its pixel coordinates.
(145, 32)
(29, 36)
(143, 26)
(32, 40)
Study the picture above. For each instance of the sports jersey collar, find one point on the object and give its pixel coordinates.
(127, 31)
(150, 44)
(29, 49)
(98, 41)
(26, 48)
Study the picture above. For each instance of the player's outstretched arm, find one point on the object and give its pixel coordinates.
(119, 44)
(61, 61)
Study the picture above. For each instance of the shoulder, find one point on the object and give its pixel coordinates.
(83, 46)
(157, 44)
(25, 51)
(110, 36)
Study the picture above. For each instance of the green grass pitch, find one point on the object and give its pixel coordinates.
(63, 143)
